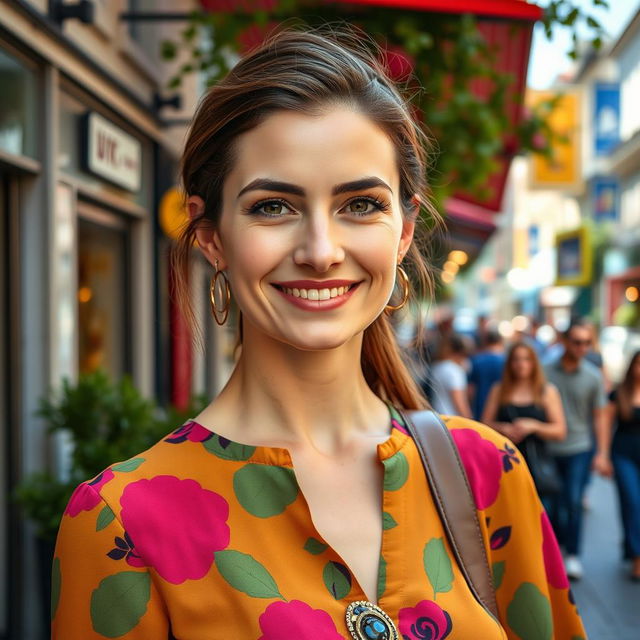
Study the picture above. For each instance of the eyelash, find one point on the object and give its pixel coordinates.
(380, 205)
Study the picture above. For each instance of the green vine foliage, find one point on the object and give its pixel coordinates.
(449, 56)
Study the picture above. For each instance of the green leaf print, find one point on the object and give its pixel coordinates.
(497, 568)
(382, 576)
(129, 465)
(437, 564)
(228, 450)
(337, 579)
(246, 574)
(314, 546)
(529, 613)
(105, 517)
(577, 638)
(56, 583)
(119, 602)
(264, 491)
(396, 471)
(388, 521)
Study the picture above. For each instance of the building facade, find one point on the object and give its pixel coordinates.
(87, 152)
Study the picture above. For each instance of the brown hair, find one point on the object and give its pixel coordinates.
(624, 393)
(306, 71)
(538, 379)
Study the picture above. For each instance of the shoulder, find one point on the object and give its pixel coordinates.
(491, 461)
(178, 455)
(591, 371)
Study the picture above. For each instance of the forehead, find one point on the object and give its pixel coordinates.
(316, 151)
(580, 333)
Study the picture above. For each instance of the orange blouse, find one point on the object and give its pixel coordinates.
(202, 538)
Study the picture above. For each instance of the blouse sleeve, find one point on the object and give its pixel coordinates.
(531, 586)
(100, 587)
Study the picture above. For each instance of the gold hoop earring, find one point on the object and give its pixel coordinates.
(221, 287)
(406, 289)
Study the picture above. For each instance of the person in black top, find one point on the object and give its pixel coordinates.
(525, 407)
(624, 412)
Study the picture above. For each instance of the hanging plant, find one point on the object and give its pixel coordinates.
(449, 56)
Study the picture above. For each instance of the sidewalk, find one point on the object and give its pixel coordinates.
(607, 600)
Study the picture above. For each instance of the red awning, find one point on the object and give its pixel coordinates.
(508, 9)
(468, 225)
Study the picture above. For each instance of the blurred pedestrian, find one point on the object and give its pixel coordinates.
(486, 369)
(584, 401)
(449, 377)
(528, 410)
(624, 412)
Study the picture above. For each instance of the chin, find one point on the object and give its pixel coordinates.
(318, 337)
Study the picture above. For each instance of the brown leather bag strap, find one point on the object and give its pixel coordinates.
(454, 500)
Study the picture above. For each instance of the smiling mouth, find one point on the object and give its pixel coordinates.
(319, 293)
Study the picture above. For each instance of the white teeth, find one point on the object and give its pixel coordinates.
(316, 294)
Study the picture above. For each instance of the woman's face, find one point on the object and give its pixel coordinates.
(311, 228)
(521, 364)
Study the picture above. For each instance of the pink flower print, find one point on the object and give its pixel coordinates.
(553, 565)
(395, 424)
(125, 549)
(176, 525)
(191, 431)
(296, 619)
(425, 621)
(87, 495)
(482, 461)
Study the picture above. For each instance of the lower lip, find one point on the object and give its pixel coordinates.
(318, 305)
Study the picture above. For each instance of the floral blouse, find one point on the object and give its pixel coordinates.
(202, 538)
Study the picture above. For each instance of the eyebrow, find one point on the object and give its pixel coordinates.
(264, 184)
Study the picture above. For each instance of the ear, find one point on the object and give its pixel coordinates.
(408, 228)
(208, 238)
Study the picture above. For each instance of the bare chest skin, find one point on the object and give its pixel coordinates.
(345, 500)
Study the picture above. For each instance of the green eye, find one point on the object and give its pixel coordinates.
(359, 206)
(272, 208)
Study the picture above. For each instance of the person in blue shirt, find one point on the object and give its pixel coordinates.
(486, 369)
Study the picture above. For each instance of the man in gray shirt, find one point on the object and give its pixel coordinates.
(584, 400)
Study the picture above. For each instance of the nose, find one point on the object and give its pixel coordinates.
(320, 243)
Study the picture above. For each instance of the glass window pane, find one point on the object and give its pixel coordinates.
(102, 298)
(18, 122)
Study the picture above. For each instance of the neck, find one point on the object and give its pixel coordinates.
(569, 363)
(282, 396)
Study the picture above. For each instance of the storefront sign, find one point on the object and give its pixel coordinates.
(605, 198)
(606, 116)
(574, 258)
(562, 168)
(112, 154)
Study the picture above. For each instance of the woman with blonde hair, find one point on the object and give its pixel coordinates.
(528, 410)
(296, 505)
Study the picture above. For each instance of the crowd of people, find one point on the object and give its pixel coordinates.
(555, 403)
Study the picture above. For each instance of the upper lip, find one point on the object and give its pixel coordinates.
(315, 284)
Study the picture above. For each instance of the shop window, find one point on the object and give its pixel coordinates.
(102, 298)
(18, 122)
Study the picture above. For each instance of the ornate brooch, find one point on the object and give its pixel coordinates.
(366, 621)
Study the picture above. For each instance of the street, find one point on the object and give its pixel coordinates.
(608, 601)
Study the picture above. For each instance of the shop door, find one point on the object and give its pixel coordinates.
(103, 292)
(4, 419)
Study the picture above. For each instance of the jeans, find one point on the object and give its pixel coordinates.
(565, 510)
(625, 455)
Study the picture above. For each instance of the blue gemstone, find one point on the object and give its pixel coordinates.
(375, 629)
(359, 609)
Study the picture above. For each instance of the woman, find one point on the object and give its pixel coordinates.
(624, 411)
(528, 410)
(298, 492)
